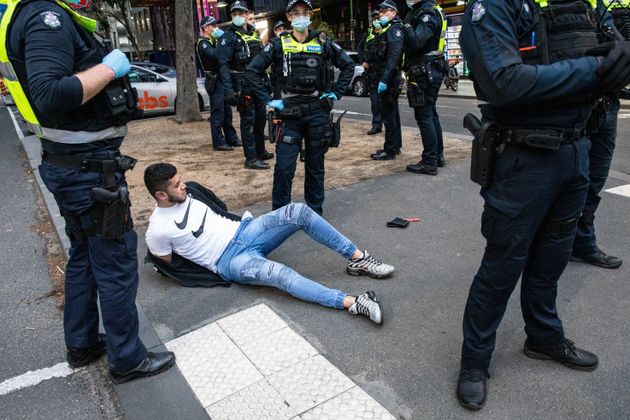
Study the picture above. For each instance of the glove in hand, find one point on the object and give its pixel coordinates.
(276, 104)
(330, 95)
(230, 98)
(614, 70)
(118, 62)
(382, 87)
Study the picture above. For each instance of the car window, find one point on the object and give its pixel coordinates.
(137, 75)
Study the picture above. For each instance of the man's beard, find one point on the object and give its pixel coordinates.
(173, 199)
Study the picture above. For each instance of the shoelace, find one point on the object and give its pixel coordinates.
(568, 346)
(362, 308)
(474, 375)
(369, 260)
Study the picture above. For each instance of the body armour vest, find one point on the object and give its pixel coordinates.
(566, 29)
(114, 106)
(376, 47)
(208, 65)
(303, 68)
(247, 47)
(620, 11)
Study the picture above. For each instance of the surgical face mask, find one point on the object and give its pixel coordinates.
(376, 24)
(78, 4)
(384, 20)
(301, 23)
(410, 3)
(238, 20)
(217, 33)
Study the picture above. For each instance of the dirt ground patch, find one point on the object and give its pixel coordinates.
(188, 146)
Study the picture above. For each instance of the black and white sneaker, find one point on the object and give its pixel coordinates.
(369, 266)
(367, 306)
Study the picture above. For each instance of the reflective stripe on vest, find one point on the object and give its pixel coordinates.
(545, 3)
(370, 36)
(442, 43)
(291, 46)
(617, 4)
(203, 38)
(7, 9)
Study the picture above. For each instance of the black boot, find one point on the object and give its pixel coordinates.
(265, 156)
(441, 161)
(78, 357)
(422, 168)
(598, 258)
(472, 388)
(223, 148)
(153, 364)
(382, 155)
(374, 130)
(565, 353)
(256, 164)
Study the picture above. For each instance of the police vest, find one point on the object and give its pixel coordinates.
(304, 67)
(206, 63)
(437, 44)
(376, 46)
(565, 30)
(114, 106)
(246, 50)
(620, 11)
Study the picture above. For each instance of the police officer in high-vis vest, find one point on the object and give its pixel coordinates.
(237, 48)
(223, 134)
(367, 44)
(385, 60)
(303, 77)
(425, 36)
(604, 120)
(76, 97)
(538, 67)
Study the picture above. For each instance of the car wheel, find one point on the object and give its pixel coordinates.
(359, 88)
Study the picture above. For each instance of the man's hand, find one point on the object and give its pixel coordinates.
(330, 95)
(614, 70)
(118, 62)
(230, 98)
(365, 65)
(276, 104)
(382, 87)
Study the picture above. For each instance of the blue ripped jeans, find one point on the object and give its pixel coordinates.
(245, 258)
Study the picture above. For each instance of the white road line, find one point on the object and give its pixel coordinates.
(623, 116)
(18, 130)
(623, 190)
(32, 378)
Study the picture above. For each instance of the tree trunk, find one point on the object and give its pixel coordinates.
(187, 103)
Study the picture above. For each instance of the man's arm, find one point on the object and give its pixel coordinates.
(395, 42)
(225, 49)
(344, 63)
(257, 68)
(158, 244)
(416, 37)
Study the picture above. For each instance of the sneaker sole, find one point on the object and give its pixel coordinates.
(541, 356)
(360, 272)
(131, 377)
(575, 258)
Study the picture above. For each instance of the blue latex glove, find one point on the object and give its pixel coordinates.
(382, 87)
(330, 95)
(118, 62)
(276, 104)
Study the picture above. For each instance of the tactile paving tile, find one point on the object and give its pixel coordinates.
(251, 324)
(212, 364)
(309, 383)
(277, 351)
(354, 404)
(258, 401)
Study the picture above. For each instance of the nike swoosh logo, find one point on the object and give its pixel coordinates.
(199, 231)
(182, 225)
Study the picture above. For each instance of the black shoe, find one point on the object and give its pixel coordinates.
(441, 161)
(266, 156)
(235, 143)
(383, 150)
(422, 168)
(256, 164)
(472, 388)
(382, 155)
(599, 258)
(302, 155)
(223, 148)
(374, 130)
(565, 353)
(153, 364)
(78, 357)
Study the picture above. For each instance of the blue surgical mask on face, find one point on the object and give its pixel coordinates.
(384, 20)
(238, 20)
(301, 23)
(376, 24)
(217, 33)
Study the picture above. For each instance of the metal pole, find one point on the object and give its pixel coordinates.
(353, 24)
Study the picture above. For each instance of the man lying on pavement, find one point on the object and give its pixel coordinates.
(237, 250)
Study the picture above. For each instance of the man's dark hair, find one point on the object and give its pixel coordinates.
(157, 176)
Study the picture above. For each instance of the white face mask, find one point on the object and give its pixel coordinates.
(301, 23)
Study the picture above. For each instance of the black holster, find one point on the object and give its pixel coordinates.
(111, 216)
(415, 95)
(274, 127)
(483, 149)
(211, 81)
(336, 130)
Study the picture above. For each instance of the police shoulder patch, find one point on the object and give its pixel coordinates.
(50, 19)
(478, 11)
(398, 33)
(425, 18)
(223, 41)
(267, 48)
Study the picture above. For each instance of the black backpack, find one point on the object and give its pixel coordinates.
(186, 272)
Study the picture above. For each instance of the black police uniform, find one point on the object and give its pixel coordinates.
(424, 65)
(366, 43)
(234, 55)
(604, 120)
(300, 78)
(221, 128)
(80, 157)
(384, 56)
(537, 89)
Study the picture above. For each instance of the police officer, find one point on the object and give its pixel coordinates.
(279, 27)
(77, 98)
(425, 36)
(385, 60)
(367, 44)
(303, 74)
(536, 77)
(237, 49)
(224, 136)
(604, 118)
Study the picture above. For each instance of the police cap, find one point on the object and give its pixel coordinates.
(239, 5)
(375, 11)
(279, 24)
(292, 3)
(389, 4)
(207, 20)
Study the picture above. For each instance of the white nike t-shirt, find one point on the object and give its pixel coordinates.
(192, 230)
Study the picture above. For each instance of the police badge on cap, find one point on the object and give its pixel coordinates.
(207, 20)
(389, 4)
(292, 3)
(239, 5)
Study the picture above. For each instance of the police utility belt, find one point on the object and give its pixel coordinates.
(489, 136)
